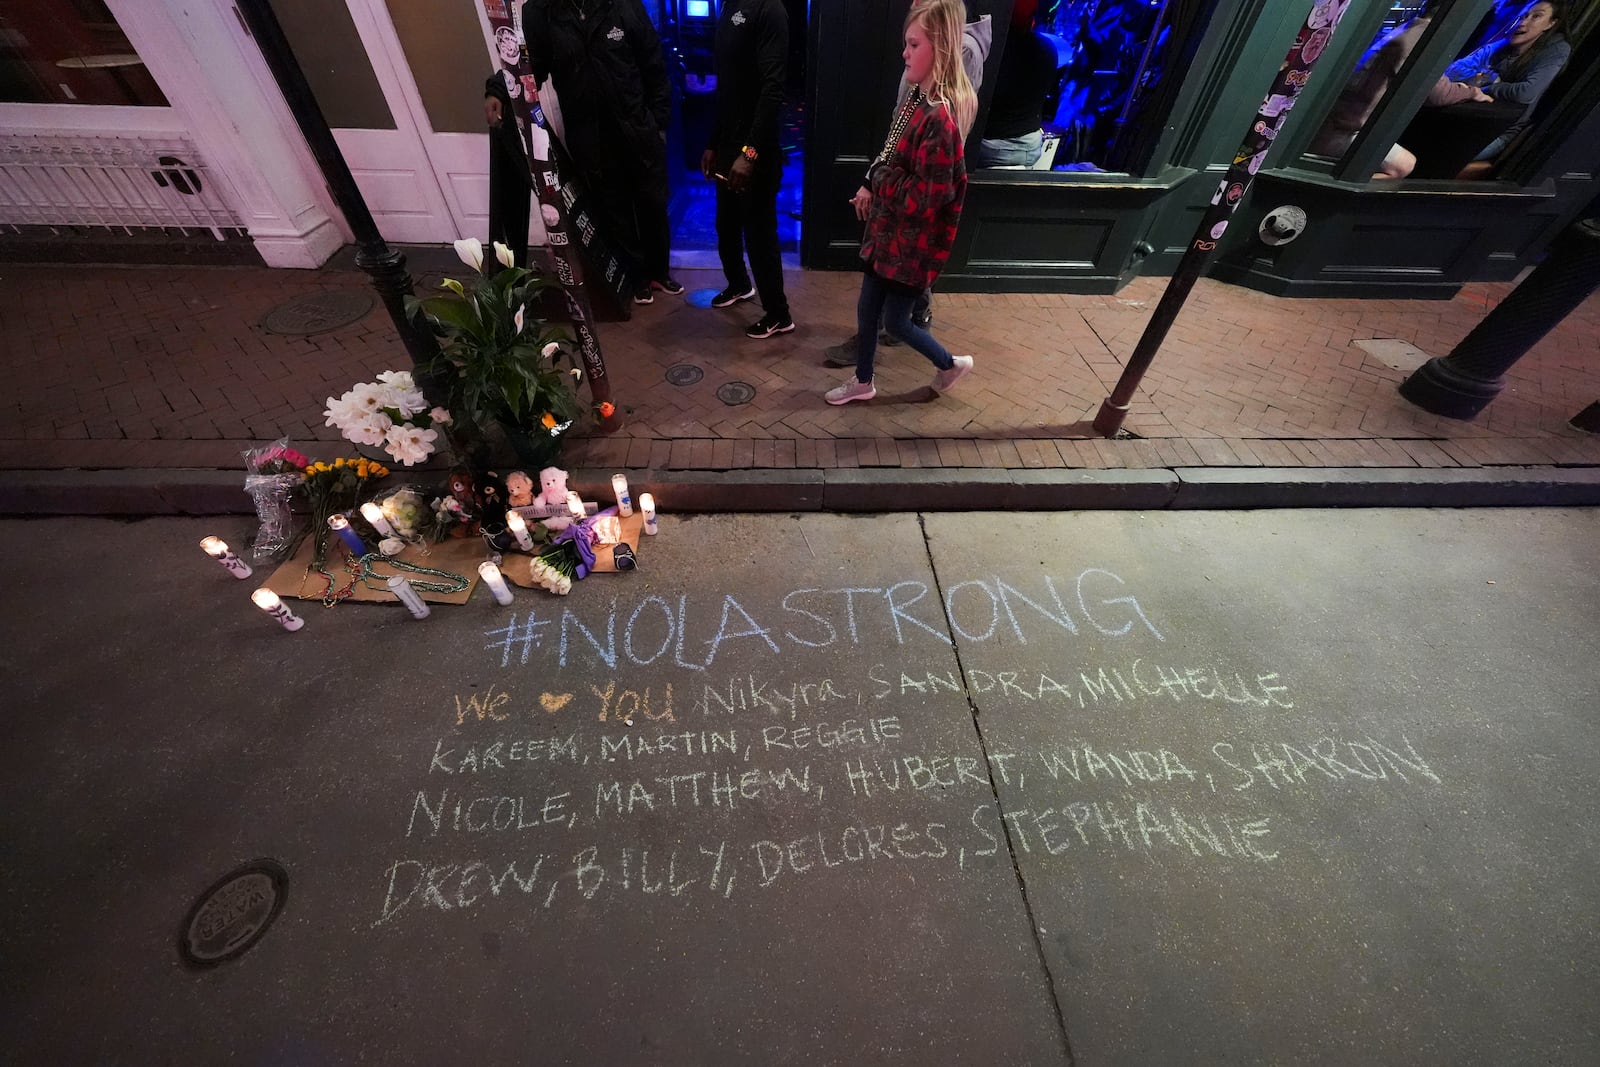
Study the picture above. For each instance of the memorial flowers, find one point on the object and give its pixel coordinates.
(390, 413)
(334, 489)
(499, 362)
(555, 568)
(272, 474)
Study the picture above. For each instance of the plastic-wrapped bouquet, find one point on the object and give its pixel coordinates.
(272, 474)
(405, 510)
(392, 413)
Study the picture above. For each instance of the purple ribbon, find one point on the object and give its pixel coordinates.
(581, 534)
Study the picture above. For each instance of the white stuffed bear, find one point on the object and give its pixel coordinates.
(553, 489)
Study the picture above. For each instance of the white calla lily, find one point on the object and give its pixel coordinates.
(516, 320)
(503, 254)
(549, 350)
(470, 249)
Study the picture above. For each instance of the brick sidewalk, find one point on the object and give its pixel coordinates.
(167, 368)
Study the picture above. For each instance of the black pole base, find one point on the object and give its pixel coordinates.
(1108, 420)
(1441, 388)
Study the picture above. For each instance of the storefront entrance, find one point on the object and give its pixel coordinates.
(400, 82)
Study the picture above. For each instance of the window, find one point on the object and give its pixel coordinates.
(1080, 81)
(70, 52)
(1469, 90)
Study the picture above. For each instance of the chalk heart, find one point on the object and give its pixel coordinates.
(554, 702)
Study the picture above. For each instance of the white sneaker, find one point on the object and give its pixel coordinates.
(943, 380)
(853, 390)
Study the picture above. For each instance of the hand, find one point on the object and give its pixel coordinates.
(708, 161)
(862, 202)
(740, 173)
(1479, 96)
(491, 110)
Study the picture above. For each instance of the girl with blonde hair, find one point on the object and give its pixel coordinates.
(911, 201)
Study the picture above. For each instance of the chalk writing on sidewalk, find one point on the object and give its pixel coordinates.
(690, 634)
(714, 746)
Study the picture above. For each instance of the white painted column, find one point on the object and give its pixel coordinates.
(215, 78)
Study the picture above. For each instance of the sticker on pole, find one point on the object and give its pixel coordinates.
(234, 913)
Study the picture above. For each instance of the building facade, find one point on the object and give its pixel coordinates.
(126, 118)
(1155, 99)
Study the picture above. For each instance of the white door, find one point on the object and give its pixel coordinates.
(426, 180)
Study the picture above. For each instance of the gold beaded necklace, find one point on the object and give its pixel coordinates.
(897, 129)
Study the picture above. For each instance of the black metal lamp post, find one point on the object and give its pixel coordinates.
(1309, 45)
(386, 266)
(1460, 385)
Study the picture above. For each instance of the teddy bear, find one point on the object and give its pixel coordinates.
(519, 489)
(553, 489)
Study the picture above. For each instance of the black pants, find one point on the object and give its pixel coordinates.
(747, 222)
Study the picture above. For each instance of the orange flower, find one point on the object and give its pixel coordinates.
(549, 421)
(607, 409)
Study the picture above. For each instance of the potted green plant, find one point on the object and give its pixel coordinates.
(498, 362)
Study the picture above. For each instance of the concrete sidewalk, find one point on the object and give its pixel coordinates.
(135, 389)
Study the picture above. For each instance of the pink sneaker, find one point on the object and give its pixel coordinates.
(854, 390)
(943, 380)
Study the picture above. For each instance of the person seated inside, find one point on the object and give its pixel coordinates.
(1515, 70)
(1367, 88)
(1013, 136)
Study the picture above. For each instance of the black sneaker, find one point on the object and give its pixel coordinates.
(670, 286)
(768, 325)
(924, 321)
(731, 296)
(644, 295)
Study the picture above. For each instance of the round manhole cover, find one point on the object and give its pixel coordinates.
(736, 393)
(319, 312)
(232, 915)
(684, 374)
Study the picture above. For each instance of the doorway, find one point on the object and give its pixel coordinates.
(688, 29)
(398, 81)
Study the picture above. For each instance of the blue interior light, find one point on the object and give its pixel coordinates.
(697, 9)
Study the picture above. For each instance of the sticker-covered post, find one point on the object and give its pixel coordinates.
(554, 201)
(1309, 44)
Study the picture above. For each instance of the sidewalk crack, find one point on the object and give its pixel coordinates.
(994, 790)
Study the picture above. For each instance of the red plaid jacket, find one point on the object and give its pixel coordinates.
(916, 200)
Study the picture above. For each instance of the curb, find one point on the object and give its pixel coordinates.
(183, 491)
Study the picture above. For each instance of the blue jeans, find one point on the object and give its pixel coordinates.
(1021, 151)
(1496, 146)
(891, 304)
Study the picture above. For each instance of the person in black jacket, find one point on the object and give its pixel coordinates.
(605, 60)
(745, 157)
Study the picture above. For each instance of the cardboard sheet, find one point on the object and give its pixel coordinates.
(516, 565)
(295, 578)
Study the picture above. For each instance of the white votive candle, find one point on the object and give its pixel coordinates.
(575, 505)
(268, 602)
(218, 549)
(374, 516)
(495, 581)
(408, 596)
(619, 486)
(519, 530)
(647, 505)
